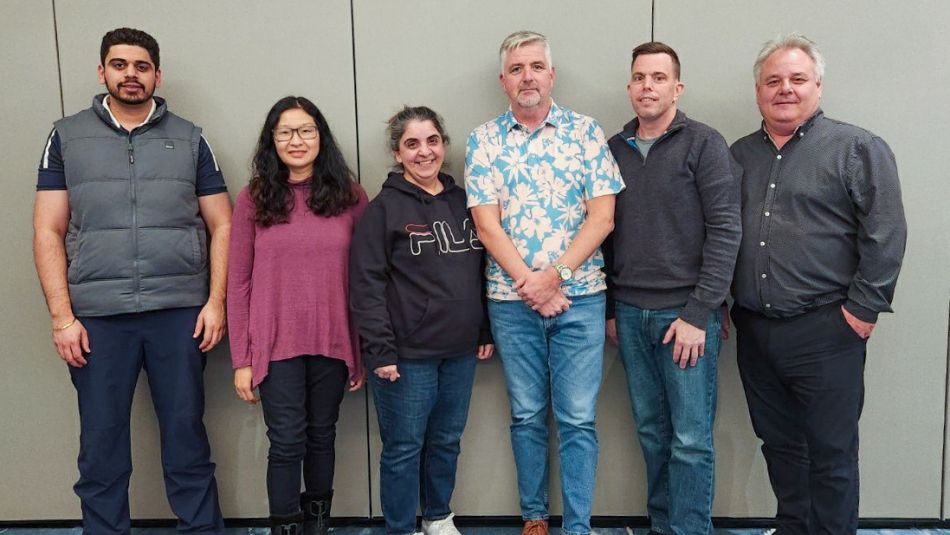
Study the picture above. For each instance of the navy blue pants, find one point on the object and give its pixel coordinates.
(804, 381)
(122, 345)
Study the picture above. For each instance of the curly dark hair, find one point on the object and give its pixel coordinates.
(129, 36)
(331, 190)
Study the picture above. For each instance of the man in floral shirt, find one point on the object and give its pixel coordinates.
(541, 184)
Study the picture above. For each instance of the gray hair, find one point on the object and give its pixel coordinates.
(521, 38)
(792, 40)
(396, 125)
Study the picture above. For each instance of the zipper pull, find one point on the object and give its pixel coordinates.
(131, 157)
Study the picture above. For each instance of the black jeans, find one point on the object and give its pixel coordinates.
(301, 400)
(804, 382)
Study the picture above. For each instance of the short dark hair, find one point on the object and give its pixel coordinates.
(656, 47)
(129, 36)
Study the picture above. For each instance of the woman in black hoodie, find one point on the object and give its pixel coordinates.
(417, 296)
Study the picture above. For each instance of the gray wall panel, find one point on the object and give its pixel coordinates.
(889, 90)
(225, 63)
(40, 431)
(225, 80)
(453, 67)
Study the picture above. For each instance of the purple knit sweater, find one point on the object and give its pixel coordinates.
(287, 286)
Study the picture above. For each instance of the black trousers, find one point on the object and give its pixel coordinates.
(301, 399)
(804, 381)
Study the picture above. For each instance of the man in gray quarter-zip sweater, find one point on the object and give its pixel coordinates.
(823, 241)
(670, 260)
(127, 196)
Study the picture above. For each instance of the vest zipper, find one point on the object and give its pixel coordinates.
(135, 229)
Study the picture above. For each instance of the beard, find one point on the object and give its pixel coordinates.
(144, 95)
(529, 100)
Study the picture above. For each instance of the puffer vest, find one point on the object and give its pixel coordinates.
(136, 241)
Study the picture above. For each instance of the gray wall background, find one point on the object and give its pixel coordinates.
(225, 63)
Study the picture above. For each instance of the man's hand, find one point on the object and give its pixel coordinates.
(538, 287)
(390, 373)
(242, 384)
(690, 343)
(611, 331)
(724, 312)
(485, 351)
(211, 322)
(71, 343)
(861, 328)
(554, 306)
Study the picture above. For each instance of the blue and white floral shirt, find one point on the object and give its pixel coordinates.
(541, 180)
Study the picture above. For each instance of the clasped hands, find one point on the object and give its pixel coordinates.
(541, 290)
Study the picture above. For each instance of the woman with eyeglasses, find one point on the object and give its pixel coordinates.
(417, 295)
(288, 313)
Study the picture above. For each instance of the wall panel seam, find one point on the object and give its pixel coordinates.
(59, 66)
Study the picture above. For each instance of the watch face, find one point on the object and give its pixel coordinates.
(564, 272)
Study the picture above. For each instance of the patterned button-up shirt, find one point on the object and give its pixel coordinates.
(541, 181)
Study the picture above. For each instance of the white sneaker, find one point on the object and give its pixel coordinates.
(769, 531)
(440, 527)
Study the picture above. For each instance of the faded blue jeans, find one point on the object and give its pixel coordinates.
(421, 418)
(674, 409)
(553, 362)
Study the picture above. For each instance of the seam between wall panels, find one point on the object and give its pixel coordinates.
(946, 420)
(59, 67)
(356, 112)
(356, 122)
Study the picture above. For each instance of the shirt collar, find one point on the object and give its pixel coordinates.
(553, 118)
(800, 131)
(105, 104)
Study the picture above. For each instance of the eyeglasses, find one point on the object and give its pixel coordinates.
(307, 131)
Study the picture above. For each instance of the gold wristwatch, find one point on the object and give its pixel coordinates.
(563, 272)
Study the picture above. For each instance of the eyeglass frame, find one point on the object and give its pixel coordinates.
(316, 133)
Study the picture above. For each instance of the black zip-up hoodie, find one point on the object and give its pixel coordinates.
(417, 285)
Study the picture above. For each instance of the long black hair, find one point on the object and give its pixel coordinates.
(331, 189)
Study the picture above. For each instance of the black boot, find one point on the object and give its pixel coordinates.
(316, 512)
(287, 524)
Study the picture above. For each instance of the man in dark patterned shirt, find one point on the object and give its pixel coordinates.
(823, 236)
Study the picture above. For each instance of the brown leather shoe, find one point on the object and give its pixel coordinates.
(535, 527)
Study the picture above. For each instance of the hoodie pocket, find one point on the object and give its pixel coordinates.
(447, 324)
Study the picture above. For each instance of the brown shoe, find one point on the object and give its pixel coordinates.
(535, 527)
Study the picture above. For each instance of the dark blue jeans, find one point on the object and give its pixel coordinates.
(421, 418)
(804, 381)
(301, 398)
(674, 409)
(122, 345)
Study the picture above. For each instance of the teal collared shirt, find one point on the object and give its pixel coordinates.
(541, 180)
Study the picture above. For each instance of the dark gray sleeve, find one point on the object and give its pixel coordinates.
(882, 229)
(717, 178)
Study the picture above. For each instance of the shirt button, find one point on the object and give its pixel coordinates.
(764, 275)
(768, 305)
(772, 186)
(779, 157)
(761, 244)
(768, 214)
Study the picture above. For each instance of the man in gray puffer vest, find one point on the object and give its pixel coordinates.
(127, 197)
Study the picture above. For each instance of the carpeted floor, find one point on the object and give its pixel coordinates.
(465, 531)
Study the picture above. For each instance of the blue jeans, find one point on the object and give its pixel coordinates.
(674, 409)
(553, 362)
(421, 418)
